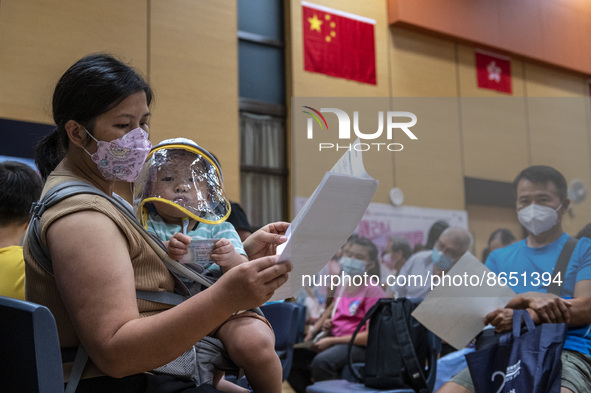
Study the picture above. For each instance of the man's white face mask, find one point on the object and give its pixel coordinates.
(538, 218)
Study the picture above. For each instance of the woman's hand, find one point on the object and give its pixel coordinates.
(264, 242)
(323, 344)
(252, 283)
(327, 325)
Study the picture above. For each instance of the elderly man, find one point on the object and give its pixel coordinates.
(541, 203)
(415, 274)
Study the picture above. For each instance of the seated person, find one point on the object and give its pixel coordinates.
(333, 331)
(541, 202)
(180, 197)
(500, 238)
(449, 248)
(395, 256)
(99, 256)
(239, 220)
(20, 186)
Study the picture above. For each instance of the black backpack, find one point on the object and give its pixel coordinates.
(398, 348)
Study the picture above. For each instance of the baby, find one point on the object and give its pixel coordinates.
(180, 198)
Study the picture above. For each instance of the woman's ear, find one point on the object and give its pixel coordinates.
(76, 133)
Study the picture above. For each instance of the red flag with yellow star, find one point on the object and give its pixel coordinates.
(339, 44)
(493, 71)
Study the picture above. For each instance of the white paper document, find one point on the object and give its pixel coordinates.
(326, 221)
(455, 309)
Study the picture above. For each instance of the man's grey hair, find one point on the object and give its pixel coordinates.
(461, 236)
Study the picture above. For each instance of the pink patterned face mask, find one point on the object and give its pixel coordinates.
(122, 158)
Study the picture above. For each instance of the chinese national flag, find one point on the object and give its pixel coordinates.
(493, 72)
(338, 44)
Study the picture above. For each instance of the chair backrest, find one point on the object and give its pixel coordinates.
(434, 350)
(285, 318)
(300, 322)
(30, 357)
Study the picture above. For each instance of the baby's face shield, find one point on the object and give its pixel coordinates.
(179, 181)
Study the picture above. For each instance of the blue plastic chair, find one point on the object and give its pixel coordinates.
(344, 385)
(288, 322)
(30, 359)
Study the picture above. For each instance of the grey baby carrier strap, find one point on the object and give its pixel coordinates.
(41, 255)
(71, 188)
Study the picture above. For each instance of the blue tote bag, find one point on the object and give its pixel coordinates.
(520, 362)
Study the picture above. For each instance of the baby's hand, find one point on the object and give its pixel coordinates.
(178, 246)
(225, 255)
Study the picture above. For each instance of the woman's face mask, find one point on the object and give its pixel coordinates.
(122, 158)
(352, 266)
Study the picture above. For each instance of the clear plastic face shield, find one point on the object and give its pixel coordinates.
(180, 180)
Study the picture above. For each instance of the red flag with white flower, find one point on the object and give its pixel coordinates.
(493, 71)
(338, 43)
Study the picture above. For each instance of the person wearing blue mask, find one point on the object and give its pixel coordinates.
(328, 353)
(414, 277)
(541, 203)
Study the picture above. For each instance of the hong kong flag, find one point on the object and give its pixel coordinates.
(493, 71)
(339, 44)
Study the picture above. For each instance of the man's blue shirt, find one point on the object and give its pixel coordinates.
(529, 265)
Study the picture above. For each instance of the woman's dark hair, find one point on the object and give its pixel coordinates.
(400, 243)
(92, 86)
(20, 186)
(505, 235)
(436, 229)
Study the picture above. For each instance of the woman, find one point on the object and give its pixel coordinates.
(358, 292)
(101, 109)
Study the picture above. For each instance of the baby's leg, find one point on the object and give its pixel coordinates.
(251, 345)
(220, 383)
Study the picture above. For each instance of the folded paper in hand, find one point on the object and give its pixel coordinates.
(326, 221)
(455, 309)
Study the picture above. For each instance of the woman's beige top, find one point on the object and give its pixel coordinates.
(149, 271)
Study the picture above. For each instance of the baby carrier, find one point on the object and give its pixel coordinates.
(198, 362)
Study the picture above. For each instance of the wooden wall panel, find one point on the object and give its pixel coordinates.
(40, 39)
(309, 164)
(560, 138)
(547, 81)
(194, 72)
(493, 123)
(494, 137)
(421, 65)
(428, 170)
